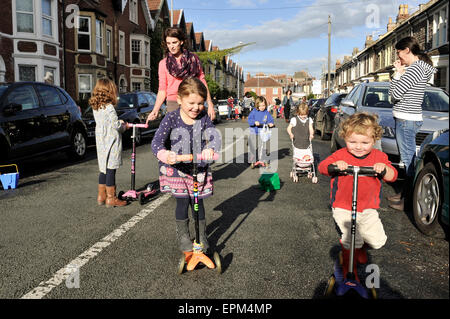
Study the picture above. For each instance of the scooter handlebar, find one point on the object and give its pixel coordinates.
(362, 170)
(130, 125)
(190, 157)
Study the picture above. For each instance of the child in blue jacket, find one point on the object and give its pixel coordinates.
(256, 120)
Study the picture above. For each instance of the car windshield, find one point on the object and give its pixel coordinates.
(436, 101)
(125, 101)
(377, 96)
(335, 99)
(3, 88)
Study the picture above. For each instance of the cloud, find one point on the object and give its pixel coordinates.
(246, 3)
(309, 22)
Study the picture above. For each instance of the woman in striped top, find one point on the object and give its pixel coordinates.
(413, 70)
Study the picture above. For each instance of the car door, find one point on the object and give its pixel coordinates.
(22, 126)
(55, 117)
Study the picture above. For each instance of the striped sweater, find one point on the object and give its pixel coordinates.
(407, 91)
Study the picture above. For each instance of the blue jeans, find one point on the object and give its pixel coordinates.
(405, 134)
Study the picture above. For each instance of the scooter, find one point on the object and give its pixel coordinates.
(337, 284)
(264, 138)
(132, 194)
(191, 259)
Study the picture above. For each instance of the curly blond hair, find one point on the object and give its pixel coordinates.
(362, 123)
(105, 92)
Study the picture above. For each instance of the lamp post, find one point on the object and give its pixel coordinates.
(239, 74)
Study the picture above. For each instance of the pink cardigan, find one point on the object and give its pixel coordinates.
(169, 83)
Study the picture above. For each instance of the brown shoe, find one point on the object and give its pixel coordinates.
(101, 198)
(111, 199)
(399, 205)
(395, 198)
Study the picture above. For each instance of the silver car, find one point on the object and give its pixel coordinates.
(374, 97)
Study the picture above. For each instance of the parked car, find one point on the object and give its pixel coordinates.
(311, 102)
(374, 97)
(38, 118)
(132, 108)
(324, 117)
(222, 106)
(315, 107)
(430, 195)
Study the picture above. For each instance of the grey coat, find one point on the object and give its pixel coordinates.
(108, 138)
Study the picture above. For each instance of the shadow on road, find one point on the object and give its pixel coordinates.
(383, 292)
(232, 209)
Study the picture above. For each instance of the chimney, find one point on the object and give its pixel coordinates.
(391, 26)
(248, 76)
(402, 13)
(369, 41)
(355, 51)
(338, 64)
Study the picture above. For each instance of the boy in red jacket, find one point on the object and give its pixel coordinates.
(360, 131)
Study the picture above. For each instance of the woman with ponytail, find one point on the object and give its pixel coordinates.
(413, 70)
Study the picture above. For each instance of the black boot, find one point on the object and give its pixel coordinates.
(183, 236)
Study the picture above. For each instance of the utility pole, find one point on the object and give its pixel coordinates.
(329, 55)
(171, 13)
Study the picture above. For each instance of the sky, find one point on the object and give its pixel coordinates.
(290, 35)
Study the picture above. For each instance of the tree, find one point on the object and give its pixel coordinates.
(213, 87)
(218, 55)
(310, 96)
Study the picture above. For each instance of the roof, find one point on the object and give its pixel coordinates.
(262, 82)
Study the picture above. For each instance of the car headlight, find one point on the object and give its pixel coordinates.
(388, 132)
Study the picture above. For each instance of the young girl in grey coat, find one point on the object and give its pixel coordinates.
(108, 138)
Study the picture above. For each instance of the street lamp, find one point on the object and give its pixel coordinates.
(239, 73)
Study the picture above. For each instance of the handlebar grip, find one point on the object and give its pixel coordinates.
(190, 157)
(362, 170)
(141, 125)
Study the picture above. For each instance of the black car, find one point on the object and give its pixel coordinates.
(324, 117)
(132, 108)
(315, 107)
(38, 118)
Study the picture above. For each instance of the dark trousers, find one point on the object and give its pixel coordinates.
(182, 209)
(109, 178)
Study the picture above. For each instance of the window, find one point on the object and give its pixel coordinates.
(84, 86)
(84, 34)
(121, 47)
(49, 95)
(108, 44)
(47, 19)
(135, 52)
(275, 90)
(133, 11)
(122, 86)
(25, 96)
(25, 16)
(440, 78)
(263, 91)
(436, 101)
(136, 86)
(377, 97)
(146, 53)
(440, 21)
(27, 73)
(99, 36)
(51, 71)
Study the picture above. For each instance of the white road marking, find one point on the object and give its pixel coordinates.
(64, 273)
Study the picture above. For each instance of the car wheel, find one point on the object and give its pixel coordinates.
(78, 145)
(323, 135)
(427, 202)
(334, 144)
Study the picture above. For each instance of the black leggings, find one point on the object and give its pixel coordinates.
(109, 178)
(181, 211)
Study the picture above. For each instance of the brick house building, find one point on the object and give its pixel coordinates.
(111, 41)
(429, 25)
(264, 85)
(30, 38)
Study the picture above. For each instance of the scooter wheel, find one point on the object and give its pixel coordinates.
(315, 180)
(217, 261)
(330, 286)
(141, 198)
(120, 195)
(181, 264)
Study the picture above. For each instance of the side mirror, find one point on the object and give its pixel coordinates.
(12, 108)
(348, 103)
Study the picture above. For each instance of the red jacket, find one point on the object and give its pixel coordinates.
(369, 188)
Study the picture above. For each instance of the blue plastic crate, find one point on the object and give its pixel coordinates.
(9, 180)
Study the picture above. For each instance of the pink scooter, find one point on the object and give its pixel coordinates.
(132, 194)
